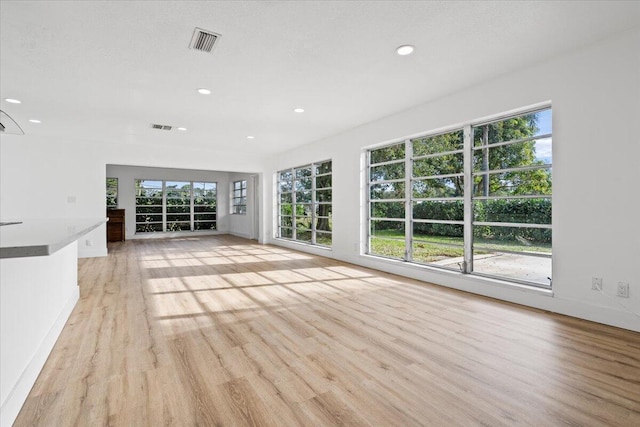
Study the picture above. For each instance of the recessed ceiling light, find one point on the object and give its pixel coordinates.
(13, 101)
(204, 91)
(35, 121)
(406, 49)
(182, 128)
(251, 137)
(298, 110)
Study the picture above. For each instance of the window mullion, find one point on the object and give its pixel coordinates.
(368, 204)
(468, 199)
(191, 207)
(313, 204)
(294, 230)
(164, 205)
(408, 205)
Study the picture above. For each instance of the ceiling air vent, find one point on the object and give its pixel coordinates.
(160, 127)
(204, 40)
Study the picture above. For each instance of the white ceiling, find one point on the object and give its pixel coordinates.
(104, 71)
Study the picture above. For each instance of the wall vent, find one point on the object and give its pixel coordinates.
(160, 127)
(204, 40)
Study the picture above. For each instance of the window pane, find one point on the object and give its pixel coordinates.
(323, 196)
(178, 226)
(391, 229)
(303, 234)
(438, 144)
(205, 217)
(286, 232)
(148, 209)
(209, 207)
(438, 187)
(393, 152)
(303, 196)
(536, 152)
(520, 239)
(286, 210)
(451, 234)
(178, 209)
(285, 175)
(285, 221)
(112, 192)
(438, 244)
(387, 239)
(303, 184)
(324, 167)
(303, 172)
(205, 225)
(149, 218)
(440, 210)
(389, 190)
(387, 210)
(323, 181)
(323, 223)
(516, 183)
(178, 217)
(513, 266)
(324, 209)
(439, 165)
(303, 211)
(148, 228)
(513, 128)
(285, 186)
(324, 239)
(524, 211)
(387, 172)
(286, 198)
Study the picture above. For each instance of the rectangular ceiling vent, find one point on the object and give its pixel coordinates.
(204, 40)
(160, 127)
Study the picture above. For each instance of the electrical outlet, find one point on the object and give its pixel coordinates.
(623, 290)
(88, 242)
(596, 283)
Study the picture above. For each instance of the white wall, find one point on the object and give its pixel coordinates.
(38, 175)
(243, 225)
(595, 94)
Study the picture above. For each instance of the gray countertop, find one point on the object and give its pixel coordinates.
(39, 237)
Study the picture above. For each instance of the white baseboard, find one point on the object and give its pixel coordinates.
(14, 401)
(243, 235)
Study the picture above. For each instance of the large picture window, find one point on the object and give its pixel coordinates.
(175, 205)
(475, 199)
(305, 204)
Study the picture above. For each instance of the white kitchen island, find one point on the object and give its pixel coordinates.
(38, 291)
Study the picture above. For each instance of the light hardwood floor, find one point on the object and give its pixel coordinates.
(218, 330)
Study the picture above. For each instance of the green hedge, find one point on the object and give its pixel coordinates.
(523, 211)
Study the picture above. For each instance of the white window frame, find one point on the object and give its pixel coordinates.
(468, 222)
(164, 205)
(239, 202)
(313, 203)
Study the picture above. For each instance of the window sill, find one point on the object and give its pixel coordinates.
(471, 279)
